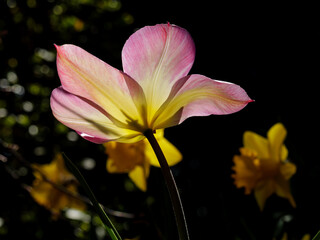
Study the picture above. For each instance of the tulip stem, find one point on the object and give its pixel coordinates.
(171, 186)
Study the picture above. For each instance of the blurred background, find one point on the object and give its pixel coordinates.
(271, 50)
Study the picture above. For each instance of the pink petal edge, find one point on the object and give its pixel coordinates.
(83, 116)
(87, 76)
(198, 95)
(156, 57)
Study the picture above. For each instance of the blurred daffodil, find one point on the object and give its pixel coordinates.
(136, 238)
(263, 167)
(305, 237)
(136, 158)
(54, 186)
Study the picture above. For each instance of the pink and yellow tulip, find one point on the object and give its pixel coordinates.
(154, 90)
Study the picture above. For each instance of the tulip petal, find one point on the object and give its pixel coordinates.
(86, 118)
(197, 95)
(158, 56)
(276, 136)
(89, 77)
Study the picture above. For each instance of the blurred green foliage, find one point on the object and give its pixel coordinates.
(28, 31)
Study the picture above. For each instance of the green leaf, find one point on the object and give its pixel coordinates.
(111, 230)
(317, 236)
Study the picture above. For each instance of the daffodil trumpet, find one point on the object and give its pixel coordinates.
(171, 186)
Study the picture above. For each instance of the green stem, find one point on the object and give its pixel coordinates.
(112, 231)
(317, 236)
(171, 186)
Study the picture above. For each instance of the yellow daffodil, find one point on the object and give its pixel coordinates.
(136, 238)
(45, 188)
(136, 158)
(305, 237)
(263, 167)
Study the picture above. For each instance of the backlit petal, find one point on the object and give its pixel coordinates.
(157, 56)
(256, 143)
(282, 189)
(287, 170)
(124, 157)
(197, 95)
(139, 176)
(276, 136)
(306, 237)
(49, 196)
(263, 191)
(171, 153)
(85, 117)
(87, 76)
(284, 153)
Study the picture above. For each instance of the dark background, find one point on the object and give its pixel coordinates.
(271, 50)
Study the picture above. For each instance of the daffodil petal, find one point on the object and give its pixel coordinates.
(171, 153)
(85, 117)
(197, 95)
(47, 195)
(87, 76)
(263, 191)
(276, 136)
(41, 192)
(306, 237)
(123, 157)
(139, 176)
(282, 189)
(285, 236)
(287, 170)
(158, 56)
(256, 143)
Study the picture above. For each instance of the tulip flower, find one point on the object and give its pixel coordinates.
(154, 90)
(45, 188)
(136, 158)
(263, 165)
